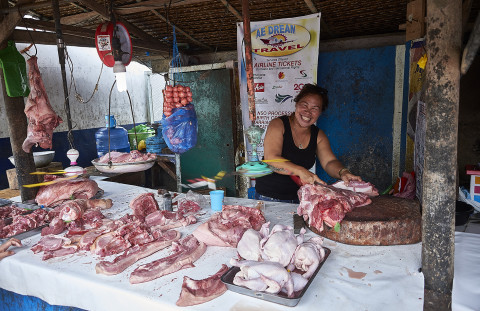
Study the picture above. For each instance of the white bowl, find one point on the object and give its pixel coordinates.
(41, 158)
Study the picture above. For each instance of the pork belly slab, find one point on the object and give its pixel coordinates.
(78, 188)
(186, 252)
(227, 227)
(195, 292)
(134, 254)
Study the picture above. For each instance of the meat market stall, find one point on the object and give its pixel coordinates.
(352, 278)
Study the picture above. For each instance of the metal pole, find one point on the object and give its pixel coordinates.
(178, 172)
(17, 128)
(248, 60)
(61, 59)
(443, 39)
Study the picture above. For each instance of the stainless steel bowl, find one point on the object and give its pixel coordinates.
(41, 158)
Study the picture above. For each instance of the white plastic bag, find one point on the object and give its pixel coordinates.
(463, 196)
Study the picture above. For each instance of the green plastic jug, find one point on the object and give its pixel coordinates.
(14, 71)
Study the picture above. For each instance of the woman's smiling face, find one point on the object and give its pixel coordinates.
(308, 109)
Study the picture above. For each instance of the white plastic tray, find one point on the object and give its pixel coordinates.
(123, 167)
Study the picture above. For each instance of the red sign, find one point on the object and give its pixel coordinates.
(259, 87)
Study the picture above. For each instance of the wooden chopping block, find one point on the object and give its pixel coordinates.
(12, 174)
(388, 220)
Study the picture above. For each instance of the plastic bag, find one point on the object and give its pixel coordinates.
(192, 202)
(405, 186)
(464, 196)
(14, 71)
(180, 129)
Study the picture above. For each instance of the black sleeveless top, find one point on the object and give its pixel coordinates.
(280, 186)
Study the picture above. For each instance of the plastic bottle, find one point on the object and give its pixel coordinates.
(118, 137)
(156, 143)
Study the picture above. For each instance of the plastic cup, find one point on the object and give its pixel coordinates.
(216, 200)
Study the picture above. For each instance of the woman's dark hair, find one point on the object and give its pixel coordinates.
(313, 89)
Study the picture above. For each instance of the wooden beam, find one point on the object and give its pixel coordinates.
(232, 9)
(17, 129)
(78, 18)
(29, 6)
(472, 47)
(439, 190)
(142, 6)
(92, 5)
(90, 34)
(8, 24)
(323, 24)
(415, 26)
(163, 18)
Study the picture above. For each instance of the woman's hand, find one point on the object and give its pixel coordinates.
(308, 177)
(4, 252)
(348, 176)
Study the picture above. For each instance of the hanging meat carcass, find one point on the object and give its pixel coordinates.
(42, 120)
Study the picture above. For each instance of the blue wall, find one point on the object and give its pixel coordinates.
(358, 121)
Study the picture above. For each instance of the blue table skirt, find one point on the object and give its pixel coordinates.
(10, 301)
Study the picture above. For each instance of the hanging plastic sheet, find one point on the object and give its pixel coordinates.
(180, 129)
(14, 71)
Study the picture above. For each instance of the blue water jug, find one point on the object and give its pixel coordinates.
(156, 143)
(118, 137)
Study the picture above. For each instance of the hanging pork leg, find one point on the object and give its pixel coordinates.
(42, 120)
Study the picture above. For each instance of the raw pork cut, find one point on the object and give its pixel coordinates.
(227, 227)
(9, 211)
(56, 226)
(22, 223)
(144, 204)
(186, 252)
(358, 186)
(165, 220)
(134, 254)
(74, 209)
(42, 120)
(195, 292)
(78, 188)
(324, 203)
(124, 157)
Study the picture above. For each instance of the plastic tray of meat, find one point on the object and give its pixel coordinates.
(280, 298)
(126, 167)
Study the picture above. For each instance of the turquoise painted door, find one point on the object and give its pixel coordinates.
(214, 152)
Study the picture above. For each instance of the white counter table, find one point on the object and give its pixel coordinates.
(352, 278)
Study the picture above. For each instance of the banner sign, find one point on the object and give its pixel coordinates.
(284, 57)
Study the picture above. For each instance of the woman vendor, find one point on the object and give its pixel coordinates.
(297, 139)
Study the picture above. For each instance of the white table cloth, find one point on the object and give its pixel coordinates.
(352, 278)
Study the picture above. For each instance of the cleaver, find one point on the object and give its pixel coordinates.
(298, 223)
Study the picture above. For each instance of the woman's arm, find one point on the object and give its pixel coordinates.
(329, 161)
(272, 150)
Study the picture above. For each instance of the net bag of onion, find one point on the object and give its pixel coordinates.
(179, 130)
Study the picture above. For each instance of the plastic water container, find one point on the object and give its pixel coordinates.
(118, 137)
(156, 143)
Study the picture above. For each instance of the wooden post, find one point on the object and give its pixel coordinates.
(17, 128)
(248, 61)
(443, 44)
